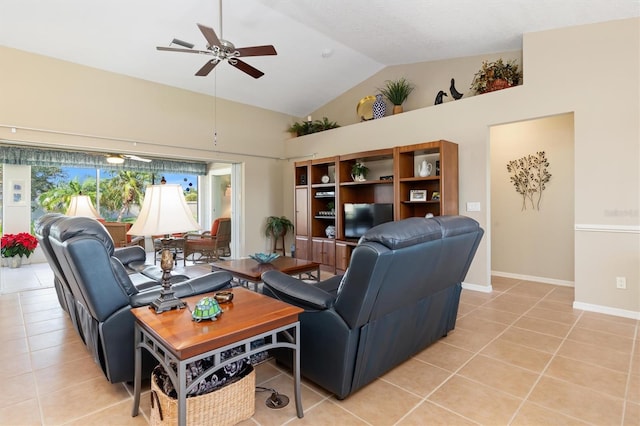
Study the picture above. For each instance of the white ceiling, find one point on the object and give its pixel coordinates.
(362, 36)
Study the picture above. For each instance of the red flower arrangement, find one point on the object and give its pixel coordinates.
(22, 244)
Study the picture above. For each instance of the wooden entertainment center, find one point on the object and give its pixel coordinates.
(393, 178)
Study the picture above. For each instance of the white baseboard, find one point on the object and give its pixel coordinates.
(544, 280)
(477, 287)
(607, 310)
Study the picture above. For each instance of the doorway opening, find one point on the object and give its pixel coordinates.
(533, 242)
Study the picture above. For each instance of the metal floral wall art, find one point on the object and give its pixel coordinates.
(529, 175)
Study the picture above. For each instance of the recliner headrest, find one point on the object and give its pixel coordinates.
(404, 233)
(73, 226)
(43, 225)
(416, 230)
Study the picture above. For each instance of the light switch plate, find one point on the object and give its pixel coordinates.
(473, 206)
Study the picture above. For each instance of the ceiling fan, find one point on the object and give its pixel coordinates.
(119, 158)
(222, 50)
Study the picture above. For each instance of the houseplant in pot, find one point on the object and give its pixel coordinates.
(359, 172)
(16, 246)
(276, 228)
(397, 91)
(496, 75)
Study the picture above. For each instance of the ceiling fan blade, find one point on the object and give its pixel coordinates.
(136, 158)
(257, 51)
(210, 35)
(243, 66)
(206, 68)
(182, 43)
(176, 49)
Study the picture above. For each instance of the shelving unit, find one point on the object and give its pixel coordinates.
(302, 203)
(372, 190)
(393, 174)
(443, 156)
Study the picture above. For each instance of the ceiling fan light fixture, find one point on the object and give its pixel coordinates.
(115, 159)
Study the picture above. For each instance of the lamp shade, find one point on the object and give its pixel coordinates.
(164, 211)
(81, 205)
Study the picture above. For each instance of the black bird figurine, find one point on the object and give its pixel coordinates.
(454, 93)
(439, 97)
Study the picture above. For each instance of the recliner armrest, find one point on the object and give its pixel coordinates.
(207, 283)
(130, 254)
(292, 290)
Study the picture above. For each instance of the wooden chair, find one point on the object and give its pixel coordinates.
(118, 232)
(210, 245)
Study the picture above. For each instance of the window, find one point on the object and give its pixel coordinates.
(116, 194)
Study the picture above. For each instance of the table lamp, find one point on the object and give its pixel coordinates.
(164, 212)
(81, 205)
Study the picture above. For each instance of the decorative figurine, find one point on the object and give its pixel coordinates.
(454, 93)
(439, 97)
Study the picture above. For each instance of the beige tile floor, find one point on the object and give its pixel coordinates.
(518, 356)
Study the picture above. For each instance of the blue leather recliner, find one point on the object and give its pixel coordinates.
(102, 292)
(399, 295)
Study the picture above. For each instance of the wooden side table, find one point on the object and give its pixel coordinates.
(175, 340)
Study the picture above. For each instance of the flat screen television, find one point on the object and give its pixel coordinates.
(360, 217)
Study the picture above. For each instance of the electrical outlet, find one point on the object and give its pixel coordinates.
(621, 282)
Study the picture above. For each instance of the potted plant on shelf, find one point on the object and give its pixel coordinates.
(276, 228)
(496, 75)
(397, 91)
(302, 128)
(359, 171)
(16, 246)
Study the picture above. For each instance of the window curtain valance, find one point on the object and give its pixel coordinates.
(45, 157)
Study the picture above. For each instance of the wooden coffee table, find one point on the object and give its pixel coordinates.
(250, 271)
(174, 339)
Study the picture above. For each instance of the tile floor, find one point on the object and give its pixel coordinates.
(518, 356)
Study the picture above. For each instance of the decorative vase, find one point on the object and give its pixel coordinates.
(425, 169)
(379, 107)
(330, 231)
(397, 109)
(15, 262)
(4, 261)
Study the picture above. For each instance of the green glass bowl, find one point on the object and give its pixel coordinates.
(264, 257)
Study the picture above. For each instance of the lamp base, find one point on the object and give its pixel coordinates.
(166, 302)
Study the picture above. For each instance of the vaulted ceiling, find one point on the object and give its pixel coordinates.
(324, 47)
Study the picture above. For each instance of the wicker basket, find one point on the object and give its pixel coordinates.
(226, 406)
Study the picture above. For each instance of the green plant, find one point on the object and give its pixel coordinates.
(277, 227)
(359, 169)
(307, 127)
(397, 91)
(497, 71)
(21, 244)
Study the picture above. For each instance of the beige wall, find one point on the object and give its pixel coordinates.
(72, 106)
(533, 244)
(589, 70)
(428, 79)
